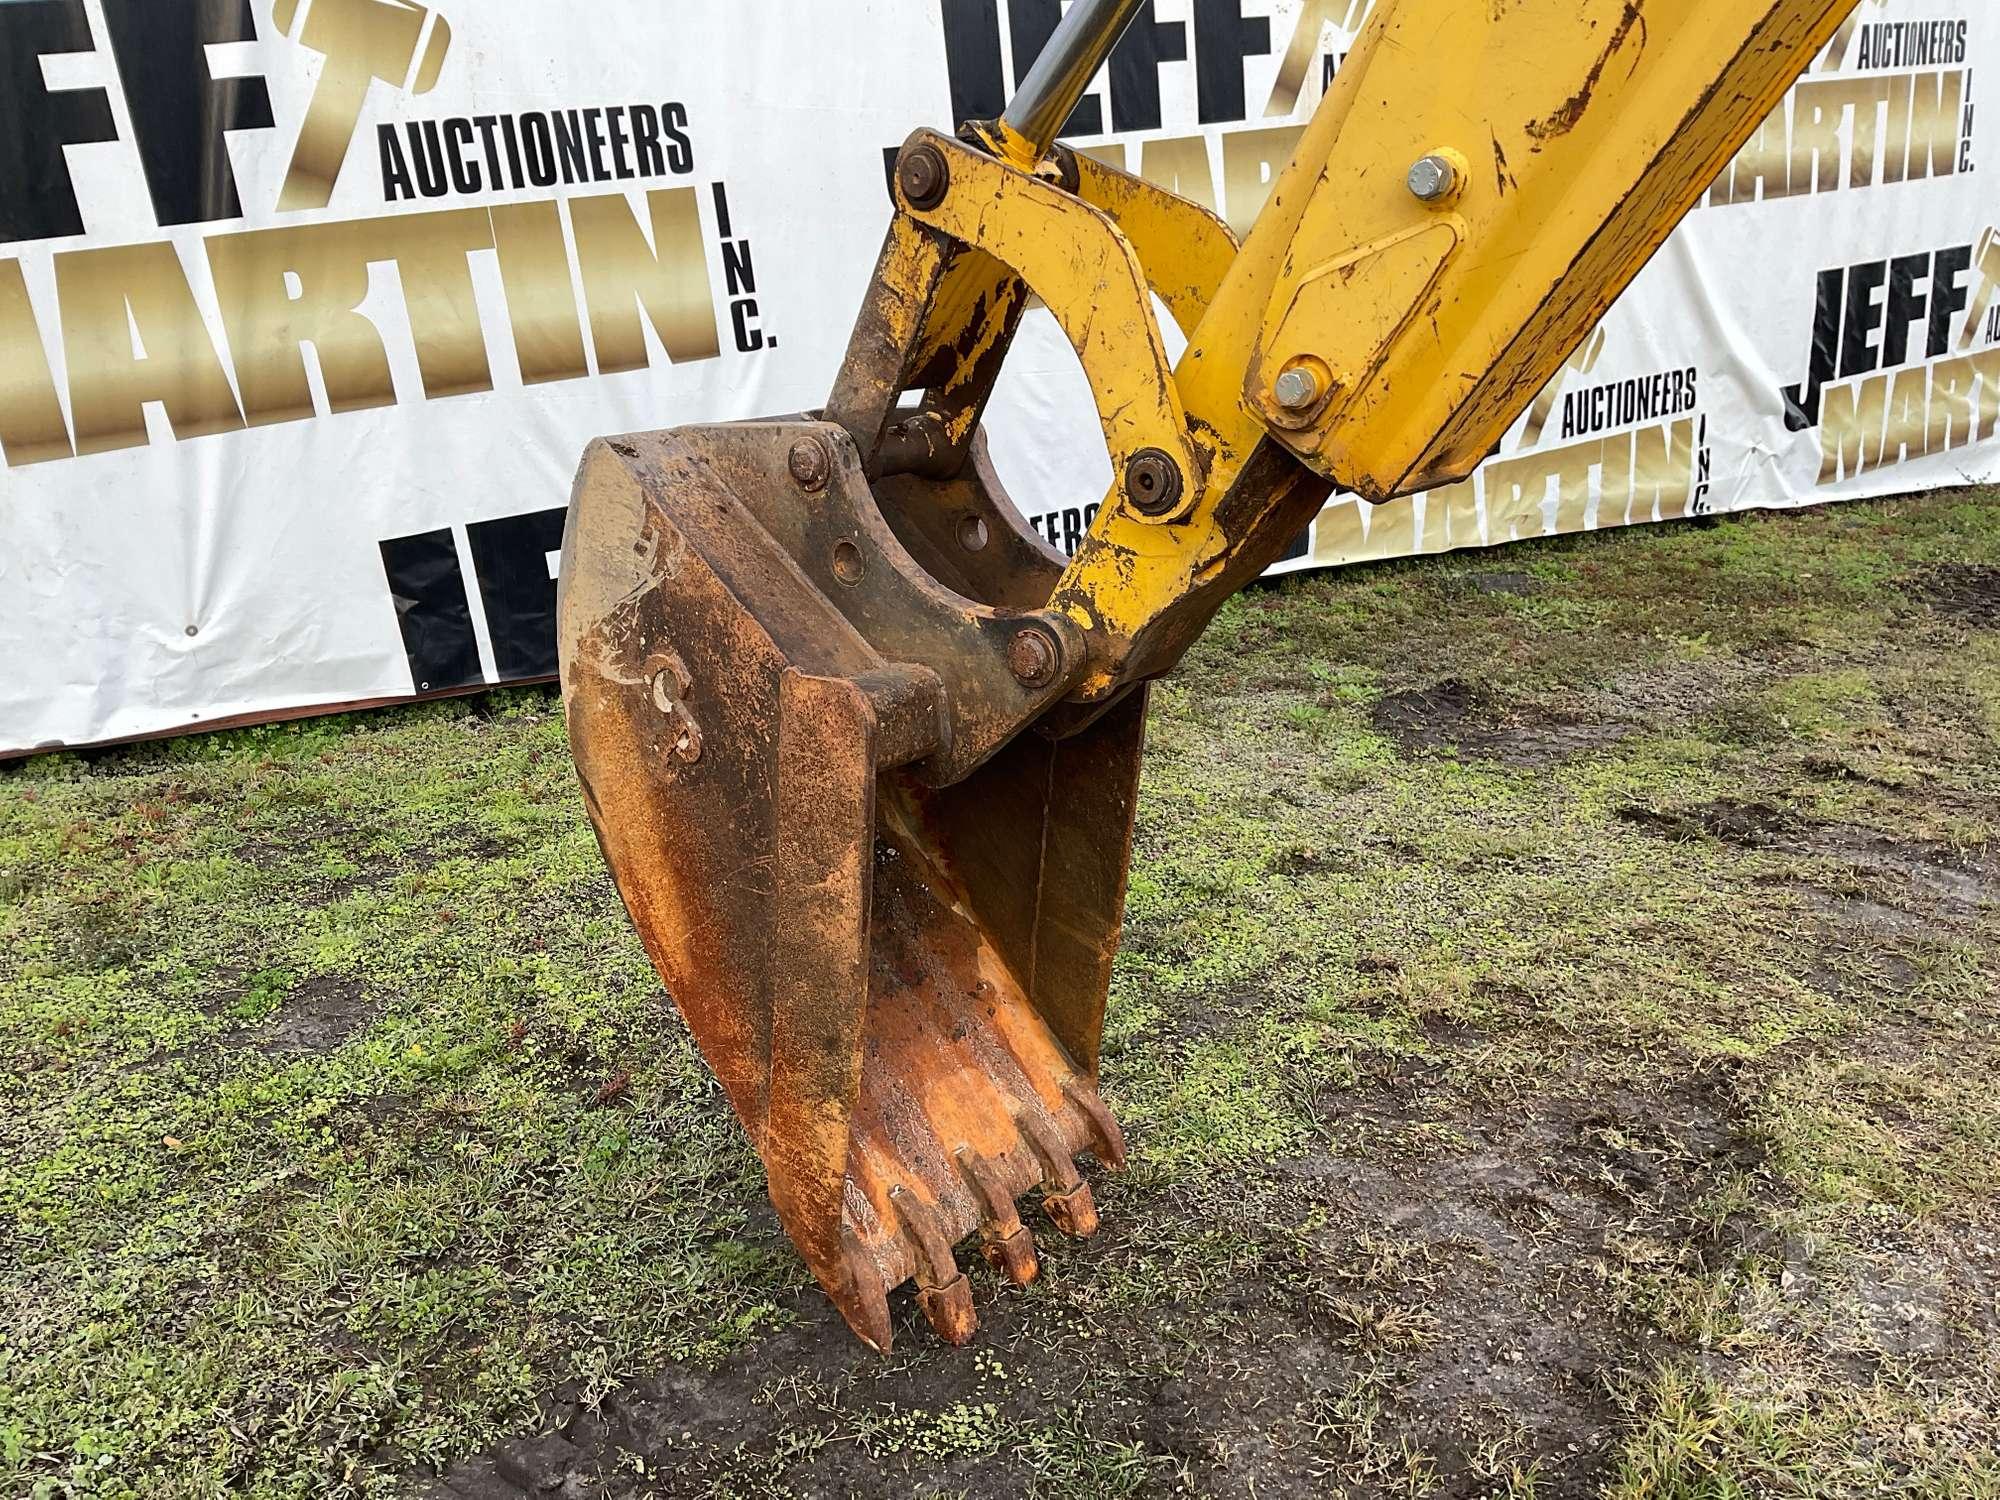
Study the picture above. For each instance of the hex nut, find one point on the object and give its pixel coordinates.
(810, 462)
(1433, 179)
(1296, 389)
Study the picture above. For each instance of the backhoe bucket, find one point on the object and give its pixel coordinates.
(894, 961)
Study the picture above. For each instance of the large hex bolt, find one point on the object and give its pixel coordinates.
(1433, 179)
(924, 176)
(1296, 389)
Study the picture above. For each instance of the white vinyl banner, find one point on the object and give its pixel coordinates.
(309, 307)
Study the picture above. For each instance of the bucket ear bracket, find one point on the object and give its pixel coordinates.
(834, 533)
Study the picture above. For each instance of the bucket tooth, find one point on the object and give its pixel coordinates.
(936, 1265)
(943, 1292)
(1107, 1141)
(1073, 1212)
(1004, 1240)
(1065, 1195)
(892, 947)
(1014, 1257)
(949, 1310)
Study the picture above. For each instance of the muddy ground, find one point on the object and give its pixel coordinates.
(1555, 1037)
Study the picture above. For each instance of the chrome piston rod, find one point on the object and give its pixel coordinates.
(1081, 45)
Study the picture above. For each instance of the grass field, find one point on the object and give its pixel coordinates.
(1556, 1034)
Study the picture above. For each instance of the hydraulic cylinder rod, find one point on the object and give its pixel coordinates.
(1081, 45)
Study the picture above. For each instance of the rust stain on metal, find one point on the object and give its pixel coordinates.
(1566, 115)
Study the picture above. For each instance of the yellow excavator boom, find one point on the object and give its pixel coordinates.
(862, 752)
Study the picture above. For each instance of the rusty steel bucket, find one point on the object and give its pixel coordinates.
(889, 931)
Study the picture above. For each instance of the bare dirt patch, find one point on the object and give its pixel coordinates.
(1458, 716)
(1750, 825)
(1928, 871)
(1964, 591)
(319, 1016)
